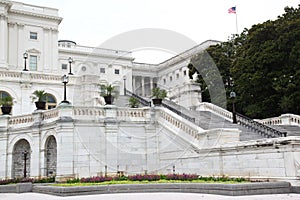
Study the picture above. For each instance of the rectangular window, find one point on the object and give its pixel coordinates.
(171, 78)
(102, 70)
(177, 76)
(164, 81)
(33, 35)
(33, 63)
(64, 66)
(117, 71)
(184, 72)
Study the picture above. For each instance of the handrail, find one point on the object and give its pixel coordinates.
(264, 130)
(191, 119)
(148, 103)
(141, 99)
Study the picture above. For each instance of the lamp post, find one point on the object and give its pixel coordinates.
(25, 153)
(232, 96)
(124, 79)
(70, 65)
(65, 80)
(25, 56)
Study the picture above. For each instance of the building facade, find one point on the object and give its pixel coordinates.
(89, 138)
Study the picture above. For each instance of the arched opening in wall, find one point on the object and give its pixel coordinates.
(51, 156)
(21, 157)
(4, 95)
(50, 101)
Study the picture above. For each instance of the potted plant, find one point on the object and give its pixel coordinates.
(40, 95)
(108, 92)
(133, 102)
(159, 95)
(6, 105)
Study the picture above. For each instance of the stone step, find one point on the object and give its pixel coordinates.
(291, 130)
(208, 120)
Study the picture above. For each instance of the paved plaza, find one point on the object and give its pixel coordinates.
(146, 196)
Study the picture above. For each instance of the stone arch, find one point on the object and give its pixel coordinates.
(21, 156)
(50, 156)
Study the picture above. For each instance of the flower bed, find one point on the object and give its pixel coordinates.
(154, 178)
(26, 180)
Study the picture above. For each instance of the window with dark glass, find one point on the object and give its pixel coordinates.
(102, 70)
(33, 35)
(117, 71)
(64, 66)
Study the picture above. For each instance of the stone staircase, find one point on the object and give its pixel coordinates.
(292, 130)
(208, 120)
(122, 101)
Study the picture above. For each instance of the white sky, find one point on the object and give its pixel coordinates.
(92, 22)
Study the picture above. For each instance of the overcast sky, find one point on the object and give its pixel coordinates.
(92, 22)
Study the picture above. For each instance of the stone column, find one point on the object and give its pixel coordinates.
(35, 167)
(3, 146)
(21, 47)
(133, 84)
(143, 85)
(3, 41)
(151, 85)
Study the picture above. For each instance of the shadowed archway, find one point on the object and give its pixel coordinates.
(21, 151)
(51, 156)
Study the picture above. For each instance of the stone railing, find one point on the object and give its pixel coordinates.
(285, 119)
(10, 74)
(180, 123)
(143, 101)
(258, 127)
(178, 112)
(216, 110)
(133, 114)
(45, 77)
(50, 114)
(18, 120)
(86, 111)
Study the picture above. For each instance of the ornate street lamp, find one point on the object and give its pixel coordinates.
(25, 154)
(70, 65)
(65, 80)
(124, 78)
(25, 56)
(232, 96)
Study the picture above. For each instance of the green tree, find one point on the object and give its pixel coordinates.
(263, 62)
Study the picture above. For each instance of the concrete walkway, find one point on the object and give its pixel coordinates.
(146, 196)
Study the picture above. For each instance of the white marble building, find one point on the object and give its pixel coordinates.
(34, 30)
(86, 138)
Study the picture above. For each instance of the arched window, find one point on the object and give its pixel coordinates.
(3, 94)
(50, 101)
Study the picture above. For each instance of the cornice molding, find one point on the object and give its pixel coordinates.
(59, 19)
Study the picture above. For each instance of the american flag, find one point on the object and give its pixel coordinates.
(232, 10)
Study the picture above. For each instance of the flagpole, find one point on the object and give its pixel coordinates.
(236, 22)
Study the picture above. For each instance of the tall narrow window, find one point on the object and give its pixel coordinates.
(33, 35)
(33, 63)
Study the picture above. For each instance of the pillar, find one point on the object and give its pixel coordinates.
(133, 84)
(3, 146)
(143, 86)
(66, 154)
(151, 85)
(3, 41)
